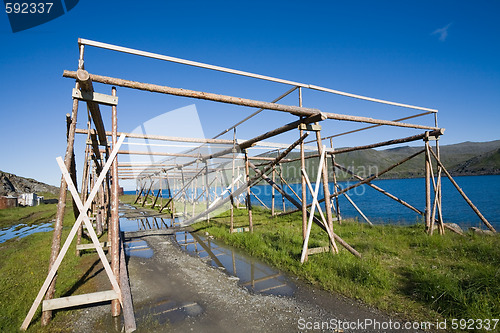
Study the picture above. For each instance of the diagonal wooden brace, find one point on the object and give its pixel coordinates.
(69, 239)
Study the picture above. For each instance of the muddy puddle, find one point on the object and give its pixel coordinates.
(23, 230)
(252, 274)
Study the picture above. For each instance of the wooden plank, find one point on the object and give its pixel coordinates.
(316, 250)
(91, 96)
(143, 233)
(69, 301)
(245, 229)
(310, 127)
(128, 306)
(91, 246)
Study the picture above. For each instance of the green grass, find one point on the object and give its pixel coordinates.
(402, 271)
(24, 267)
(27, 215)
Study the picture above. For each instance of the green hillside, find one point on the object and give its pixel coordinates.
(467, 158)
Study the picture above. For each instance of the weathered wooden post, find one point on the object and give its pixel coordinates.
(282, 187)
(427, 186)
(85, 182)
(56, 238)
(249, 203)
(272, 192)
(231, 227)
(335, 185)
(114, 227)
(302, 177)
(194, 188)
(208, 189)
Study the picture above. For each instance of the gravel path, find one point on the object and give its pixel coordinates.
(176, 292)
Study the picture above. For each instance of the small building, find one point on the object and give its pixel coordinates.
(8, 202)
(28, 199)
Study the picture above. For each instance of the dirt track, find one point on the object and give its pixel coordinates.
(176, 292)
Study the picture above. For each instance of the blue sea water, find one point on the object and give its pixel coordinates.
(484, 192)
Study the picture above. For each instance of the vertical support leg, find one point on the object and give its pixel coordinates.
(249, 203)
(303, 181)
(237, 199)
(335, 186)
(272, 192)
(114, 227)
(72, 169)
(231, 197)
(208, 189)
(282, 187)
(439, 195)
(427, 189)
(326, 190)
(85, 182)
(56, 239)
(194, 186)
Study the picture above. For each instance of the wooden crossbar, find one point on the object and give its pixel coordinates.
(91, 246)
(67, 302)
(316, 250)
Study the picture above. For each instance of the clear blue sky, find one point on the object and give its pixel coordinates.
(438, 54)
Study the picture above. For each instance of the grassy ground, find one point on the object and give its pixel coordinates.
(28, 215)
(403, 270)
(23, 268)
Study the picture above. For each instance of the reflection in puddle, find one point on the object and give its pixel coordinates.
(23, 230)
(137, 248)
(253, 275)
(170, 311)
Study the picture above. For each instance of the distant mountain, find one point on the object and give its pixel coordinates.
(467, 158)
(487, 163)
(11, 184)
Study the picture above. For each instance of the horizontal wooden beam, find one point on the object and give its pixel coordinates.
(163, 137)
(153, 153)
(117, 48)
(66, 302)
(295, 110)
(197, 140)
(90, 246)
(436, 133)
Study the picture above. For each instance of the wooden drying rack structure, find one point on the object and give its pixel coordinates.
(212, 166)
